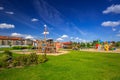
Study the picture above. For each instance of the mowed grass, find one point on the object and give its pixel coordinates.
(75, 65)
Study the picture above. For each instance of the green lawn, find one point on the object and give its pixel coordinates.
(73, 66)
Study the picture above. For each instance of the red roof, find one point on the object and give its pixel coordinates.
(10, 38)
(67, 43)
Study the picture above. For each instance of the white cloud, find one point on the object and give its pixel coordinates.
(113, 9)
(45, 25)
(59, 39)
(111, 23)
(16, 34)
(9, 12)
(113, 29)
(6, 26)
(29, 37)
(26, 36)
(64, 36)
(118, 35)
(77, 38)
(34, 20)
(71, 37)
(1, 8)
(80, 39)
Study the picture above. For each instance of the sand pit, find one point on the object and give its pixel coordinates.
(95, 50)
(28, 52)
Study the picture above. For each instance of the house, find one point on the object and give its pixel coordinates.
(67, 45)
(6, 41)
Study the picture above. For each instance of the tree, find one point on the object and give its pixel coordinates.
(88, 45)
(117, 44)
(82, 45)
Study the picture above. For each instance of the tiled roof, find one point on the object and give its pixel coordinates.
(10, 38)
(67, 43)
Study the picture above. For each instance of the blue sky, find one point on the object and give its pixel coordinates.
(76, 20)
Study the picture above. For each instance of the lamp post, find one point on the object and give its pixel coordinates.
(45, 37)
(45, 32)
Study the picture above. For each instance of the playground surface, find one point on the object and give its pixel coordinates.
(29, 51)
(96, 50)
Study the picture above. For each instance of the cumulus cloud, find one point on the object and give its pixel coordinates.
(80, 40)
(45, 25)
(111, 23)
(26, 36)
(6, 26)
(29, 37)
(71, 37)
(34, 20)
(59, 39)
(77, 38)
(9, 12)
(64, 36)
(113, 29)
(113, 9)
(16, 34)
(118, 35)
(1, 8)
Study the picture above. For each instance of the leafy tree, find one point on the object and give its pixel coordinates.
(82, 45)
(88, 45)
(117, 44)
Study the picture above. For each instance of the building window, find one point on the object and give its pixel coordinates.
(3, 42)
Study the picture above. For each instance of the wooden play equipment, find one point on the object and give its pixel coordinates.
(46, 45)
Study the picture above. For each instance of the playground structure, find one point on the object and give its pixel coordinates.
(46, 47)
(100, 45)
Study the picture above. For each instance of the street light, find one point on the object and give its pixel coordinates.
(45, 37)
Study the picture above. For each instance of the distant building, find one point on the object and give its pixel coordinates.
(67, 45)
(14, 41)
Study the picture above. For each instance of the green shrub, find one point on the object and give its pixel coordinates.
(17, 47)
(43, 59)
(21, 60)
(15, 63)
(25, 60)
(33, 58)
(7, 52)
(4, 61)
(7, 61)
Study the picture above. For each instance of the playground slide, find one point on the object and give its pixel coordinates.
(106, 47)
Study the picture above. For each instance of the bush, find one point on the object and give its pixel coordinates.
(17, 47)
(7, 52)
(43, 59)
(33, 58)
(15, 63)
(7, 61)
(25, 60)
(21, 61)
(4, 61)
